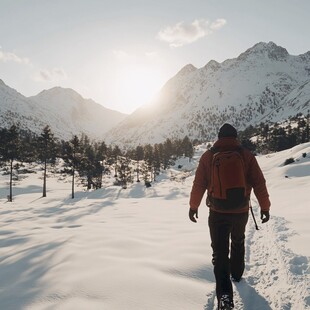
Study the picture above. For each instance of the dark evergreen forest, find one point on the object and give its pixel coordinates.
(87, 160)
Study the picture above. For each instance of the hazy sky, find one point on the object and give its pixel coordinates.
(120, 53)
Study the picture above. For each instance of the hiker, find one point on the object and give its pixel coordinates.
(228, 172)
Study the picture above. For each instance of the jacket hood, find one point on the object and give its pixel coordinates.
(227, 143)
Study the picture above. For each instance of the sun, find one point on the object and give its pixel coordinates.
(136, 85)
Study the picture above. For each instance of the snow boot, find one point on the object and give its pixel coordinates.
(226, 303)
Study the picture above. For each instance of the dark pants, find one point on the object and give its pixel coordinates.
(223, 227)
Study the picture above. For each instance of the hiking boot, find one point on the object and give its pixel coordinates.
(226, 303)
(236, 279)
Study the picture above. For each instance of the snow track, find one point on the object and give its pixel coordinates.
(275, 278)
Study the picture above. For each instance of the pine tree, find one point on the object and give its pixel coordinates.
(27, 146)
(168, 152)
(72, 158)
(156, 161)
(148, 163)
(47, 152)
(9, 151)
(138, 156)
(187, 148)
(87, 165)
(116, 152)
(308, 127)
(124, 172)
(102, 151)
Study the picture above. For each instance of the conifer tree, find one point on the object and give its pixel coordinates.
(102, 151)
(9, 151)
(124, 172)
(72, 158)
(87, 164)
(27, 146)
(168, 152)
(47, 152)
(138, 156)
(116, 152)
(308, 126)
(187, 148)
(156, 161)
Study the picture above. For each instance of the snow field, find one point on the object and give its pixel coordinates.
(135, 249)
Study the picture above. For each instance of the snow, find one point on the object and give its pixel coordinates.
(63, 109)
(135, 248)
(264, 83)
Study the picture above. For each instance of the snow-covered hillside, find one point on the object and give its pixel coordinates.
(244, 90)
(135, 249)
(64, 110)
(264, 83)
(298, 100)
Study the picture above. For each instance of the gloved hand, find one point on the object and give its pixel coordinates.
(264, 216)
(192, 214)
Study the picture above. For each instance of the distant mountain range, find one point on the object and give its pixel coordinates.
(63, 109)
(265, 83)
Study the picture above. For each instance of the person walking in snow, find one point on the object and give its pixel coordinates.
(228, 172)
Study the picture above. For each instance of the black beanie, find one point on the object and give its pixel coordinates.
(227, 131)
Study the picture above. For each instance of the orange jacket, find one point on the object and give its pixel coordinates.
(254, 176)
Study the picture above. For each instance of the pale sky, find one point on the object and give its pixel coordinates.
(120, 53)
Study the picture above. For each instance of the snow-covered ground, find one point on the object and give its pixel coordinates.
(135, 248)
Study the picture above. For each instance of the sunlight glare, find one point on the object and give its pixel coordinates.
(137, 85)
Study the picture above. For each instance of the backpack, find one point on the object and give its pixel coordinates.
(227, 189)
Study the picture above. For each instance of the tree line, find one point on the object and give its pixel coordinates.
(89, 160)
(277, 137)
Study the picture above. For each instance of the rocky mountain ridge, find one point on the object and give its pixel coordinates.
(265, 83)
(63, 109)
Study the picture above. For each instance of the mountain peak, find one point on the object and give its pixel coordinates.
(244, 91)
(213, 65)
(270, 50)
(186, 70)
(58, 91)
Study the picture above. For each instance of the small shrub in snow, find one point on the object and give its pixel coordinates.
(289, 161)
(148, 184)
(304, 155)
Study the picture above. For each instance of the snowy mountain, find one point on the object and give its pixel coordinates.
(297, 100)
(264, 83)
(64, 110)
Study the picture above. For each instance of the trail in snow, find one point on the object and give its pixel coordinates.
(275, 278)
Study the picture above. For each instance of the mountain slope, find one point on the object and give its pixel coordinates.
(297, 100)
(244, 90)
(64, 110)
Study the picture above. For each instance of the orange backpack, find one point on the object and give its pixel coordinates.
(227, 189)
